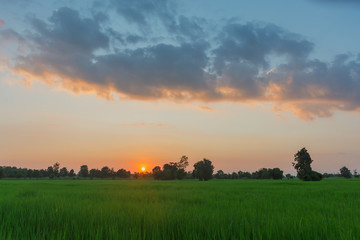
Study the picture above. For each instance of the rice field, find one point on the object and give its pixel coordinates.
(188, 209)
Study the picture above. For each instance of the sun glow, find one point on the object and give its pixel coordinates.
(143, 169)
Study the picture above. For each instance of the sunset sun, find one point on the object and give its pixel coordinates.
(143, 169)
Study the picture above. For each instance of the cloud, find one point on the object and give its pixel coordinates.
(67, 33)
(205, 108)
(144, 125)
(144, 12)
(2, 22)
(83, 54)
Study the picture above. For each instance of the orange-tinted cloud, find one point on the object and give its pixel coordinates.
(144, 125)
(205, 108)
(2, 22)
(62, 54)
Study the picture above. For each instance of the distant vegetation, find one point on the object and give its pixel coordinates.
(203, 170)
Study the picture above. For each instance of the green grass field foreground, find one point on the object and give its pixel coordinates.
(189, 209)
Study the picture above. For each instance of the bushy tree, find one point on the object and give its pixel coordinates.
(94, 173)
(64, 172)
(122, 173)
(289, 176)
(157, 173)
(219, 174)
(1, 172)
(276, 173)
(84, 171)
(345, 172)
(50, 172)
(105, 172)
(72, 173)
(171, 170)
(242, 174)
(302, 164)
(36, 173)
(203, 170)
(29, 173)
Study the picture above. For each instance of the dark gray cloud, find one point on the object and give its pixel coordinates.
(85, 54)
(253, 43)
(66, 45)
(142, 12)
(149, 13)
(67, 32)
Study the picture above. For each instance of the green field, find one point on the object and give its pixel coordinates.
(189, 209)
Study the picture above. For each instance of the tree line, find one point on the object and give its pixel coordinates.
(55, 171)
(203, 170)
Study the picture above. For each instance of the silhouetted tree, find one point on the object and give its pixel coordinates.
(105, 172)
(234, 175)
(157, 173)
(219, 174)
(302, 165)
(84, 171)
(122, 173)
(345, 172)
(50, 172)
(276, 173)
(1, 172)
(244, 174)
(180, 174)
(56, 167)
(183, 163)
(43, 173)
(172, 170)
(289, 176)
(64, 172)
(203, 170)
(169, 171)
(356, 173)
(29, 173)
(72, 173)
(95, 173)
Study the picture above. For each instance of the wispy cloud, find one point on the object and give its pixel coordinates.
(205, 108)
(143, 124)
(2, 22)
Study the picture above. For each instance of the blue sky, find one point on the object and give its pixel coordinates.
(271, 76)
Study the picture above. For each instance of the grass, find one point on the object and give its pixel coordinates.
(146, 209)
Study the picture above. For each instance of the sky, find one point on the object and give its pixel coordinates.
(127, 84)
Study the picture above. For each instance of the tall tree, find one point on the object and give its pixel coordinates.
(302, 164)
(56, 167)
(203, 170)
